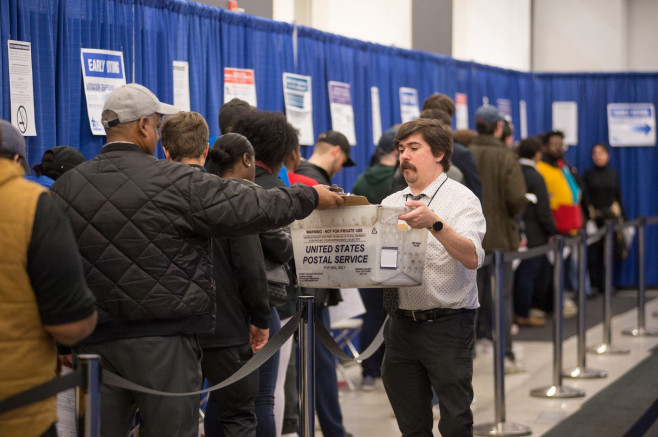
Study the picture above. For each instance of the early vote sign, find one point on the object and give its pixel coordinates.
(631, 124)
(102, 72)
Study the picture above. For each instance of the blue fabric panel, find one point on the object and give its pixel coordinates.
(154, 33)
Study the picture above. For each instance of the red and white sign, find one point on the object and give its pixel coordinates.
(240, 83)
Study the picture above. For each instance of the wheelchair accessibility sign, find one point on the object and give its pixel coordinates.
(631, 124)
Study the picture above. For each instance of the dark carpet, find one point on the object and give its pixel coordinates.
(628, 407)
(622, 301)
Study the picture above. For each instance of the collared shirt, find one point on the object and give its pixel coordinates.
(446, 282)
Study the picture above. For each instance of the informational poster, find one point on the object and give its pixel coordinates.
(505, 108)
(342, 112)
(240, 83)
(298, 99)
(565, 119)
(523, 115)
(376, 114)
(102, 72)
(182, 85)
(461, 111)
(631, 124)
(408, 104)
(21, 87)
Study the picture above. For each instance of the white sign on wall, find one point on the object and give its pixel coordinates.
(565, 119)
(21, 89)
(408, 104)
(461, 110)
(182, 85)
(298, 100)
(376, 114)
(342, 112)
(631, 124)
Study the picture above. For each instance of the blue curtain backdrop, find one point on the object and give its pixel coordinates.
(152, 34)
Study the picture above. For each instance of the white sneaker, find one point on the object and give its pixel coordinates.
(512, 367)
(569, 308)
(537, 313)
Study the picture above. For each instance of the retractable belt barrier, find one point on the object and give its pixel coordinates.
(43, 391)
(87, 376)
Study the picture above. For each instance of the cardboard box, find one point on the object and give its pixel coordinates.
(358, 246)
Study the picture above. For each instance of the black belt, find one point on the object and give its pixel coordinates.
(429, 315)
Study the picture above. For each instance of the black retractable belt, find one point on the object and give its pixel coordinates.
(43, 391)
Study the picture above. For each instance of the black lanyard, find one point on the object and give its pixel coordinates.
(433, 195)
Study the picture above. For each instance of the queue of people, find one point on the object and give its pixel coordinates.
(181, 269)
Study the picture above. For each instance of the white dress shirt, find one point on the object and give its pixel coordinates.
(446, 282)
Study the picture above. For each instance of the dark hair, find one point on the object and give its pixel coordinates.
(440, 101)
(229, 112)
(435, 135)
(528, 147)
(184, 135)
(507, 130)
(437, 114)
(603, 145)
(226, 152)
(547, 136)
(484, 128)
(272, 137)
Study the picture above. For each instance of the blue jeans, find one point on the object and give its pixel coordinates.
(533, 282)
(267, 374)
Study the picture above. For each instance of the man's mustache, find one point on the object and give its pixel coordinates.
(407, 166)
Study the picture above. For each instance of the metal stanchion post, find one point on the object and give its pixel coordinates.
(499, 427)
(557, 390)
(606, 348)
(88, 397)
(581, 370)
(641, 329)
(306, 360)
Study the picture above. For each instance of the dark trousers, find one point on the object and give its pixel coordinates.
(533, 282)
(420, 356)
(596, 264)
(267, 383)
(373, 300)
(230, 410)
(485, 313)
(170, 364)
(326, 386)
(291, 410)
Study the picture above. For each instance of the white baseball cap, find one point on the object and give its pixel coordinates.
(132, 102)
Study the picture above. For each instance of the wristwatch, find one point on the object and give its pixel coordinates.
(436, 226)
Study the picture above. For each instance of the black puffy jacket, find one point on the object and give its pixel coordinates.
(143, 226)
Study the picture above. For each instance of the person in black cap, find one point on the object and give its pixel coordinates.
(330, 155)
(54, 163)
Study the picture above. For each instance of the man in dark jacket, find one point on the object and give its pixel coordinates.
(143, 227)
(533, 276)
(503, 200)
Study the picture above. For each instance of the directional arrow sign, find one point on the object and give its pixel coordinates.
(631, 124)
